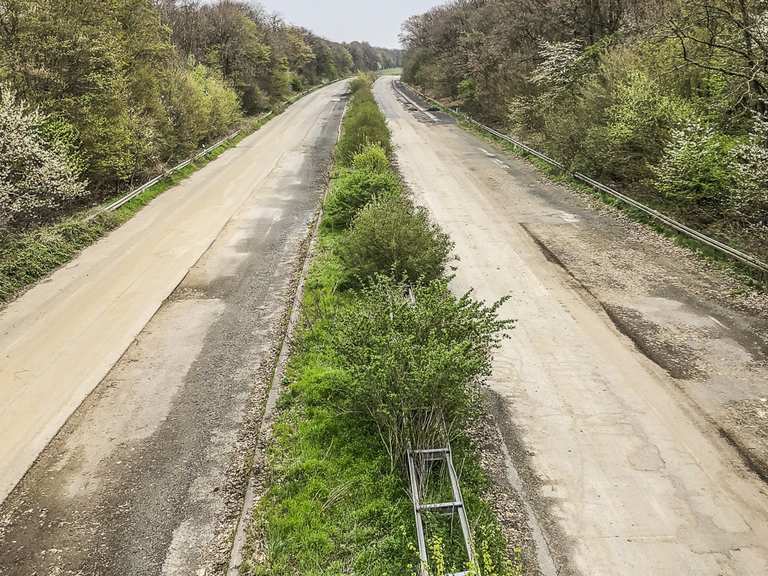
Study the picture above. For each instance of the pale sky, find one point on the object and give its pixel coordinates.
(375, 21)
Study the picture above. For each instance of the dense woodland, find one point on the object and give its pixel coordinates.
(665, 98)
(97, 94)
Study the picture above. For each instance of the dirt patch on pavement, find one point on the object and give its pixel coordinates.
(670, 351)
(688, 314)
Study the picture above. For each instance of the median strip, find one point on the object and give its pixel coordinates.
(386, 360)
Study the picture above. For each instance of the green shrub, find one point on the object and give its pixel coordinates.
(403, 357)
(361, 82)
(352, 190)
(373, 158)
(370, 177)
(201, 107)
(392, 236)
(639, 121)
(364, 125)
(698, 170)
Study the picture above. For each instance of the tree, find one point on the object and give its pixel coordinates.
(728, 37)
(37, 177)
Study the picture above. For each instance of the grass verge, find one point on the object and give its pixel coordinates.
(335, 502)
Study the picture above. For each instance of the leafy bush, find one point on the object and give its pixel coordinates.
(37, 177)
(392, 236)
(639, 121)
(369, 177)
(364, 125)
(360, 82)
(698, 169)
(403, 356)
(467, 93)
(222, 103)
(353, 189)
(373, 158)
(201, 107)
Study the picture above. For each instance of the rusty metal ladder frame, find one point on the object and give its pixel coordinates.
(435, 455)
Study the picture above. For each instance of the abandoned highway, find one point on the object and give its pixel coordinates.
(167, 330)
(134, 378)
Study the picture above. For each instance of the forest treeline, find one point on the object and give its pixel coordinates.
(665, 98)
(96, 94)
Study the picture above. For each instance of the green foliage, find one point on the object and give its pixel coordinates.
(392, 236)
(370, 176)
(403, 356)
(373, 158)
(639, 123)
(353, 189)
(364, 124)
(334, 505)
(698, 170)
(358, 83)
(467, 92)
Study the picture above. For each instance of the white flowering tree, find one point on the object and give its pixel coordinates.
(37, 178)
(716, 174)
(749, 195)
(562, 63)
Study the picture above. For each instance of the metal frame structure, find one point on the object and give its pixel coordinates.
(416, 461)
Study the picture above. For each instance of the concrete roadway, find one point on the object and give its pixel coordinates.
(152, 350)
(628, 479)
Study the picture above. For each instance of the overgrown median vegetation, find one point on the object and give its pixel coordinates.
(384, 351)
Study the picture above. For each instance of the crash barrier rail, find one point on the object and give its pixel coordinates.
(123, 200)
(746, 259)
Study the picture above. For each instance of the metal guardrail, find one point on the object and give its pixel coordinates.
(144, 187)
(725, 249)
(123, 200)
